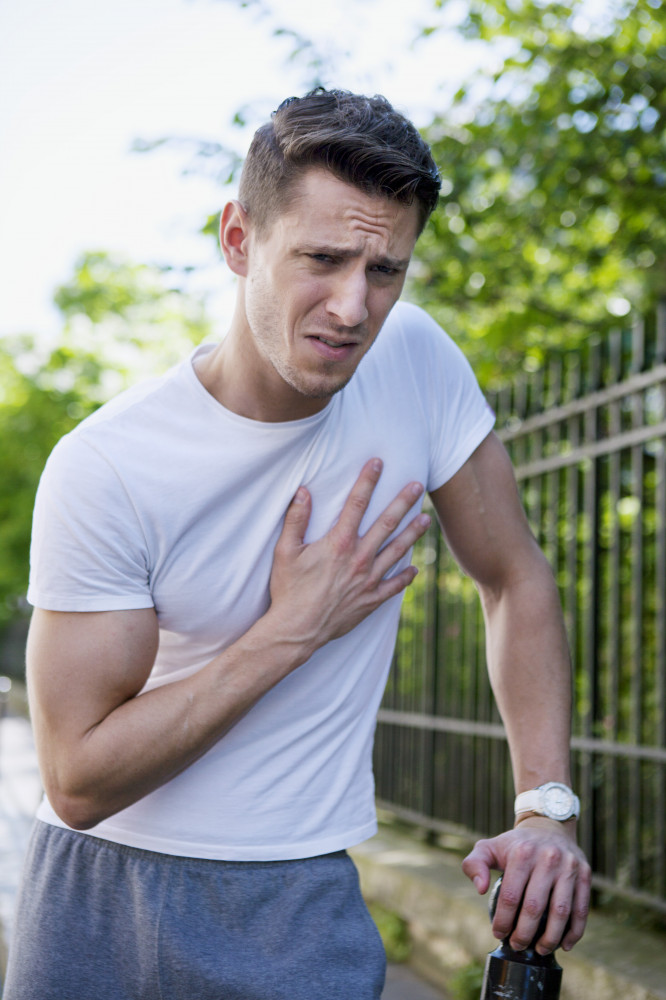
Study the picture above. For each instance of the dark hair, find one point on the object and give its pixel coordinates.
(361, 140)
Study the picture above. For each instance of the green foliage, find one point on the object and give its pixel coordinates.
(124, 321)
(553, 215)
(467, 982)
(211, 226)
(600, 521)
(394, 932)
(121, 321)
(33, 415)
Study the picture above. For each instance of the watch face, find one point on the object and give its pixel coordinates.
(557, 801)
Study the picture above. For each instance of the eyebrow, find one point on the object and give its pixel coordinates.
(350, 254)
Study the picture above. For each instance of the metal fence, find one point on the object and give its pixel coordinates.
(587, 435)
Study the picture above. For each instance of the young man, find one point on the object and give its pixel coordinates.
(217, 568)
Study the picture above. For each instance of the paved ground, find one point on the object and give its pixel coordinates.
(402, 984)
(20, 791)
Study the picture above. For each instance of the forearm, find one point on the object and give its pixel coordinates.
(530, 672)
(103, 745)
(148, 739)
(529, 667)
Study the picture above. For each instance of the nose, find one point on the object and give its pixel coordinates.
(347, 300)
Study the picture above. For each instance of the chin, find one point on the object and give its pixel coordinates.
(322, 390)
(315, 386)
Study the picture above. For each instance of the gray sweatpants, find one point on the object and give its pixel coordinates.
(99, 921)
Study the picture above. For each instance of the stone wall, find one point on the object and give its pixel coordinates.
(450, 928)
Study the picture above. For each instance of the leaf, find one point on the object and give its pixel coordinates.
(556, 189)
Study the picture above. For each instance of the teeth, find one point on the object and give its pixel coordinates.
(331, 343)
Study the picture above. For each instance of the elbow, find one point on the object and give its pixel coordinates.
(77, 811)
(81, 822)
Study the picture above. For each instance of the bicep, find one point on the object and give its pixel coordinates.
(482, 518)
(80, 667)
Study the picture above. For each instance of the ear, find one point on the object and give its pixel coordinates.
(234, 237)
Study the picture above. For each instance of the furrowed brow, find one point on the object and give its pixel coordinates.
(330, 251)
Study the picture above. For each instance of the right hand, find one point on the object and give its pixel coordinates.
(543, 869)
(321, 590)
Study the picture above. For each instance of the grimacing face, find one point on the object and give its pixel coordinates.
(319, 285)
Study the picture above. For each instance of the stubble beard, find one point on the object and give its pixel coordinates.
(311, 386)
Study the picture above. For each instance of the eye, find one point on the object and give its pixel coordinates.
(385, 271)
(321, 258)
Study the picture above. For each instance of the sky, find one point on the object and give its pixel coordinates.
(80, 80)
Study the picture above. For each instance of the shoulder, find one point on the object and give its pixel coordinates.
(419, 343)
(412, 326)
(129, 424)
(128, 405)
(405, 317)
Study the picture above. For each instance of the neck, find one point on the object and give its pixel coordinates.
(239, 379)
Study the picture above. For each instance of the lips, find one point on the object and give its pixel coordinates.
(330, 343)
(332, 350)
(333, 343)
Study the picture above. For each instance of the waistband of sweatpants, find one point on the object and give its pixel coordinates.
(160, 858)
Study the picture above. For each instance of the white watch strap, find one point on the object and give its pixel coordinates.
(528, 801)
(553, 799)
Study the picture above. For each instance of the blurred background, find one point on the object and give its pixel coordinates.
(124, 124)
(123, 128)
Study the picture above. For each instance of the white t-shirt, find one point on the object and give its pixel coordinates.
(164, 498)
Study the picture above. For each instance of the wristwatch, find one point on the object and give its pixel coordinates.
(554, 800)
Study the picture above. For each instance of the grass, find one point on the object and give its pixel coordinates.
(394, 932)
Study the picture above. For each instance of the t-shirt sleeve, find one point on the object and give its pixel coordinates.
(456, 412)
(88, 551)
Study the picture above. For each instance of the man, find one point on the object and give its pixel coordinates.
(218, 558)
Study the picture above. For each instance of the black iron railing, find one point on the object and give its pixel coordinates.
(587, 435)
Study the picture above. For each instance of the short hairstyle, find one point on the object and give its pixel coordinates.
(361, 140)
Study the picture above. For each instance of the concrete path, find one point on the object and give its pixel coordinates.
(402, 984)
(20, 792)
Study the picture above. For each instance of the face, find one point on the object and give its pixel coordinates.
(317, 289)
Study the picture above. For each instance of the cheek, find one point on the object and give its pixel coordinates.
(306, 298)
(380, 303)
